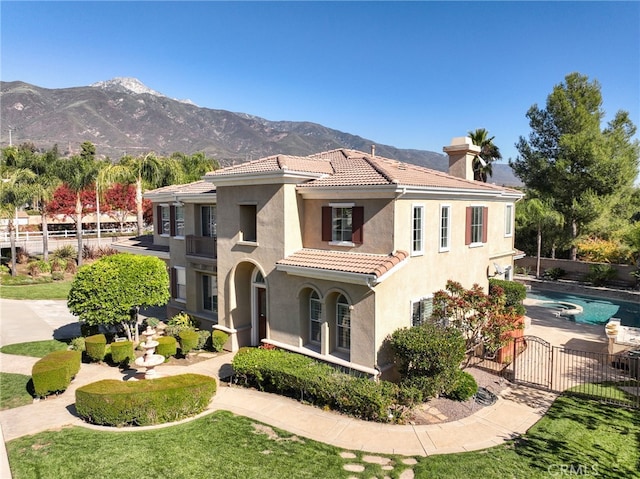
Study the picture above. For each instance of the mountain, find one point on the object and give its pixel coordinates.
(123, 116)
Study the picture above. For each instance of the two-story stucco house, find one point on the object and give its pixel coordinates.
(327, 255)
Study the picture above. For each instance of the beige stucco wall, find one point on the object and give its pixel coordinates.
(377, 232)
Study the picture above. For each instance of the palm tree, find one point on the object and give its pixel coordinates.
(78, 173)
(16, 190)
(488, 154)
(541, 215)
(140, 171)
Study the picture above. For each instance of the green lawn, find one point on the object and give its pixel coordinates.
(15, 390)
(36, 349)
(54, 290)
(576, 434)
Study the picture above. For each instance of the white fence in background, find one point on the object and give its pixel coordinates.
(32, 241)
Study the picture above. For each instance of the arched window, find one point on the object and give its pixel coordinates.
(315, 318)
(259, 278)
(343, 323)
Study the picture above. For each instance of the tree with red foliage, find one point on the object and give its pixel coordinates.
(64, 202)
(119, 202)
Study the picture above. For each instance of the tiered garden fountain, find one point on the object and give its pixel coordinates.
(149, 360)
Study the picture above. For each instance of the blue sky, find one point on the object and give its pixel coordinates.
(407, 74)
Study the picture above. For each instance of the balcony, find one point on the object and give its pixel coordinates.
(201, 246)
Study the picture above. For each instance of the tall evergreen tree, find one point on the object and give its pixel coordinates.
(570, 159)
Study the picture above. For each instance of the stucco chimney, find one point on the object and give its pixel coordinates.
(461, 153)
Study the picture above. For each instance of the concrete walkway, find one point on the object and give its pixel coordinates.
(516, 410)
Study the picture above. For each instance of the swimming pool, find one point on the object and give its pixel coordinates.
(594, 310)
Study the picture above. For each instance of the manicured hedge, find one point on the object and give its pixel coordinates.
(54, 372)
(167, 346)
(140, 403)
(122, 352)
(514, 292)
(188, 340)
(96, 347)
(301, 377)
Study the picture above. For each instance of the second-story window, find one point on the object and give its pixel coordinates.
(178, 221)
(445, 227)
(208, 215)
(342, 223)
(248, 223)
(164, 220)
(508, 220)
(476, 227)
(417, 231)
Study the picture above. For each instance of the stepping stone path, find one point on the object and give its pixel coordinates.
(385, 463)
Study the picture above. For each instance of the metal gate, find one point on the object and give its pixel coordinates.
(612, 378)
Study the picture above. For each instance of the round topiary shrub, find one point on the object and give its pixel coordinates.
(122, 352)
(96, 347)
(464, 387)
(218, 340)
(167, 346)
(188, 341)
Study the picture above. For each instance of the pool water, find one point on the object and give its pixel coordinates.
(594, 310)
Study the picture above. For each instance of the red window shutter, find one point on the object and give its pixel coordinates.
(159, 219)
(467, 229)
(327, 218)
(485, 223)
(172, 220)
(357, 223)
(173, 276)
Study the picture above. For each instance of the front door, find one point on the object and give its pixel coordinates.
(262, 313)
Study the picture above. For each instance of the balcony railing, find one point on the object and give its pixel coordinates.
(203, 246)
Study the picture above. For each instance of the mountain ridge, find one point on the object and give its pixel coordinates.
(124, 116)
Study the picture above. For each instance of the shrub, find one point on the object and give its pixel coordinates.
(65, 252)
(301, 377)
(70, 266)
(22, 256)
(122, 352)
(54, 372)
(463, 388)
(96, 347)
(38, 266)
(184, 320)
(106, 251)
(141, 403)
(553, 273)
(204, 339)
(514, 293)
(167, 346)
(188, 341)
(57, 264)
(596, 250)
(78, 344)
(600, 274)
(428, 356)
(218, 340)
(175, 330)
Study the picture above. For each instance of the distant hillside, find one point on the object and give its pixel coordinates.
(124, 116)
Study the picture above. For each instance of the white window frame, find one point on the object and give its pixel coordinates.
(421, 302)
(165, 223)
(181, 288)
(343, 310)
(508, 220)
(337, 235)
(210, 225)
(476, 228)
(313, 320)
(444, 232)
(417, 243)
(213, 292)
(179, 220)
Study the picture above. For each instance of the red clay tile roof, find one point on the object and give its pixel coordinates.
(345, 167)
(360, 263)
(196, 187)
(276, 163)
